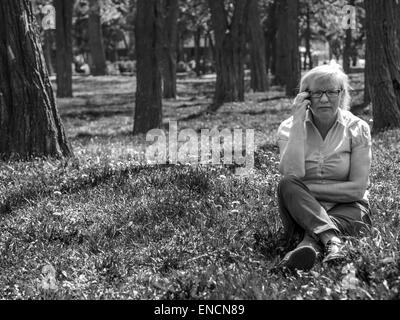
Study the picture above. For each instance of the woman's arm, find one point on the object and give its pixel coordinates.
(351, 190)
(292, 152)
(292, 160)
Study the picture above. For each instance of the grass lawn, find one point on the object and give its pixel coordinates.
(104, 226)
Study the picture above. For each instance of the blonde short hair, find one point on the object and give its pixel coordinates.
(329, 71)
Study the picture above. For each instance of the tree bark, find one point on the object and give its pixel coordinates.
(383, 43)
(259, 77)
(229, 51)
(148, 110)
(287, 48)
(29, 122)
(64, 47)
(170, 34)
(98, 66)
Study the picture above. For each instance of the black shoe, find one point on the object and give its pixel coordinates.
(333, 251)
(302, 258)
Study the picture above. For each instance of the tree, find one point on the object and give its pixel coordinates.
(45, 16)
(170, 33)
(29, 121)
(229, 26)
(307, 37)
(348, 46)
(194, 21)
(98, 65)
(259, 78)
(287, 48)
(270, 30)
(383, 47)
(367, 80)
(48, 50)
(148, 110)
(64, 47)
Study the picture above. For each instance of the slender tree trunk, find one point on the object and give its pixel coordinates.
(367, 80)
(64, 47)
(48, 50)
(347, 51)
(148, 110)
(287, 50)
(29, 121)
(259, 77)
(281, 42)
(308, 40)
(98, 66)
(179, 47)
(211, 49)
(170, 34)
(383, 42)
(274, 59)
(197, 38)
(270, 37)
(229, 51)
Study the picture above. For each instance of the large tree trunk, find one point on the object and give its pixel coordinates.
(229, 51)
(383, 43)
(170, 34)
(98, 66)
(64, 47)
(287, 50)
(29, 121)
(259, 77)
(148, 110)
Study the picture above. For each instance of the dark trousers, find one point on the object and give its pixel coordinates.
(301, 212)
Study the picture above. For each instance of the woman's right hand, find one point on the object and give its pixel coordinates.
(300, 106)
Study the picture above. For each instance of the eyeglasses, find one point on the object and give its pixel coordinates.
(329, 93)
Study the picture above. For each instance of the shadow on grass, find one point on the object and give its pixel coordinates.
(93, 178)
(197, 115)
(89, 135)
(96, 114)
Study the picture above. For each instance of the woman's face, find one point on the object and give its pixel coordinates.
(326, 107)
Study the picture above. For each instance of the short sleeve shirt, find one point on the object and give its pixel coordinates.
(329, 159)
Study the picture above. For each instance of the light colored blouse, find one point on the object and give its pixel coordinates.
(329, 160)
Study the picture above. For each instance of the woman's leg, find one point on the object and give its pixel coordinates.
(300, 211)
(351, 218)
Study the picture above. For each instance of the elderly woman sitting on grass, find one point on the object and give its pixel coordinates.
(325, 158)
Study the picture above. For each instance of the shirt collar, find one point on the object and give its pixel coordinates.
(340, 117)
